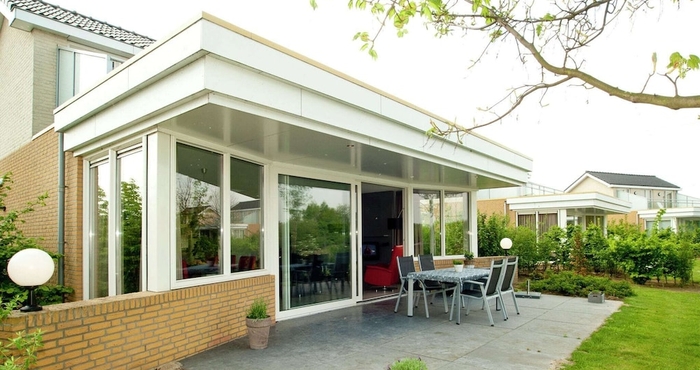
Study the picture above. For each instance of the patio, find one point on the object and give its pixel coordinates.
(372, 336)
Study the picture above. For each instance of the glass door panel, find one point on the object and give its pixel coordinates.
(314, 237)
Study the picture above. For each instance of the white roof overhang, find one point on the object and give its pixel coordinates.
(574, 204)
(216, 82)
(687, 212)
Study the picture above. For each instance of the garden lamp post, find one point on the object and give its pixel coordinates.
(506, 243)
(30, 268)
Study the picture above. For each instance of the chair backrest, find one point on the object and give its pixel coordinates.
(509, 273)
(426, 262)
(251, 262)
(244, 263)
(495, 277)
(405, 265)
(397, 252)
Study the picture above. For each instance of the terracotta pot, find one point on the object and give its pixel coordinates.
(258, 332)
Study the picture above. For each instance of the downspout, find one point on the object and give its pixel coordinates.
(61, 206)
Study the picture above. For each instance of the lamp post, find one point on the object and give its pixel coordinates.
(506, 243)
(30, 268)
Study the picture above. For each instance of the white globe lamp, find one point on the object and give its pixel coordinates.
(506, 244)
(30, 268)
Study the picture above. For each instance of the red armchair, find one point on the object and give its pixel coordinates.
(385, 275)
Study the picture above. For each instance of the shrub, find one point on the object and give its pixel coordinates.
(13, 240)
(257, 310)
(570, 284)
(490, 231)
(409, 364)
(20, 352)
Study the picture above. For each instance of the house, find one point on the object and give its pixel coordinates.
(595, 197)
(311, 163)
(647, 195)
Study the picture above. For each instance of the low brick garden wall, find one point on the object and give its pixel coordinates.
(142, 330)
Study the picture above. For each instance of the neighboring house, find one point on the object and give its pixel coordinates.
(595, 197)
(539, 207)
(647, 194)
(210, 116)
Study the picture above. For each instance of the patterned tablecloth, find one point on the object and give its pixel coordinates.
(448, 275)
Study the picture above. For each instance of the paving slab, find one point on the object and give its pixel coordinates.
(372, 336)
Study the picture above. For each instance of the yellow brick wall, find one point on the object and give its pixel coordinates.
(142, 330)
(497, 206)
(34, 168)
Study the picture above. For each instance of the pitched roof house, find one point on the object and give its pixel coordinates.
(595, 197)
(647, 194)
(211, 117)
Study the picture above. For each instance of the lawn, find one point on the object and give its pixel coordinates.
(656, 329)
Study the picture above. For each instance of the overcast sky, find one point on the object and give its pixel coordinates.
(573, 131)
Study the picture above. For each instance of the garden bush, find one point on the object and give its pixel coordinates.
(570, 284)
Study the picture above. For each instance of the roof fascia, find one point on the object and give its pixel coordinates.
(27, 21)
(643, 187)
(572, 200)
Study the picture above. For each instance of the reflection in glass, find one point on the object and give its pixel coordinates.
(129, 229)
(246, 215)
(198, 198)
(426, 222)
(99, 206)
(314, 237)
(456, 223)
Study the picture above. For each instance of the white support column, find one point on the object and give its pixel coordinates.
(473, 236)
(561, 218)
(160, 266)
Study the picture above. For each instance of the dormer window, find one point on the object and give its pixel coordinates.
(78, 70)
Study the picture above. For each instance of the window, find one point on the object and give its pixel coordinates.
(246, 187)
(527, 221)
(78, 70)
(99, 220)
(198, 212)
(546, 221)
(115, 245)
(314, 241)
(426, 222)
(457, 240)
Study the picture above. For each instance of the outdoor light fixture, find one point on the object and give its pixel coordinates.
(506, 243)
(30, 268)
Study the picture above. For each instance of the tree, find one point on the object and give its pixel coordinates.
(552, 34)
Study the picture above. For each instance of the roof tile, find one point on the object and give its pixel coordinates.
(621, 179)
(80, 21)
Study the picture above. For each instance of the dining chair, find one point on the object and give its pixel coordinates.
(406, 266)
(506, 285)
(484, 291)
(426, 263)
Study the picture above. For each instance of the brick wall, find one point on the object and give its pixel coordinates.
(16, 78)
(142, 330)
(34, 168)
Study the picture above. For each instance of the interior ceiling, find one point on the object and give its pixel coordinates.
(282, 142)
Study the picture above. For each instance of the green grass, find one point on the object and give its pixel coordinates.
(656, 329)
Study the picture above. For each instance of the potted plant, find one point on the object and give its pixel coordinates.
(258, 323)
(459, 265)
(469, 256)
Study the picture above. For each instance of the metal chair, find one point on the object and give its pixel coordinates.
(506, 285)
(406, 266)
(426, 263)
(484, 291)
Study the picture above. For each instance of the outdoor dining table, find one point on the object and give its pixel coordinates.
(448, 275)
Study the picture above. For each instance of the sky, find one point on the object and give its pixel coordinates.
(569, 131)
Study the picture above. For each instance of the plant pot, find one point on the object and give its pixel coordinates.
(469, 266)
(459, 268)
(258, 332)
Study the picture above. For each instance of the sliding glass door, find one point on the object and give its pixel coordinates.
(314, 241)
